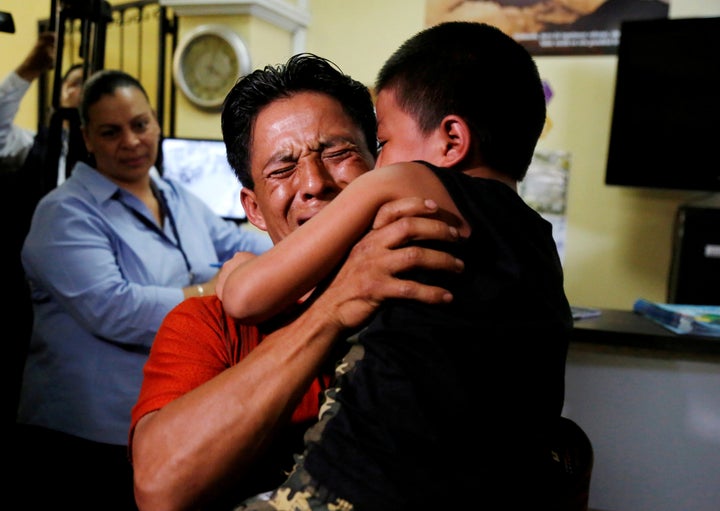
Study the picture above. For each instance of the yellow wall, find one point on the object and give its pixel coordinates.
(265, 42)
(142, 64)
(14, 47)
(618, 245)
(619, 241)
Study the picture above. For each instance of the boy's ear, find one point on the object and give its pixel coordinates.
(456, 138)
(252, 211)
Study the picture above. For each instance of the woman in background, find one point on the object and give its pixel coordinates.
(109, 253)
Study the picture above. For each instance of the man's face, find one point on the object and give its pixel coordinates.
(304, 150)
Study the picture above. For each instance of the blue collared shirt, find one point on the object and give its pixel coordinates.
(103, 276)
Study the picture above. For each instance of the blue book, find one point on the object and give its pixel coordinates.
(703, 320)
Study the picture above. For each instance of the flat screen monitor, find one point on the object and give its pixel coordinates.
(201, 166)
(665, 130)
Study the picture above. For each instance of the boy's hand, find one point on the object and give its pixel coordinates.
(369, 274)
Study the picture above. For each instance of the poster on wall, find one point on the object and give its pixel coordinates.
(552, 27)
(545, 189)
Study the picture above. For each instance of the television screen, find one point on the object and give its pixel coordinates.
(202, 167)
(665, 130)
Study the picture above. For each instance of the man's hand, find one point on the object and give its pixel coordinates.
(368, 276)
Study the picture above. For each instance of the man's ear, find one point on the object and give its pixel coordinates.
(250, 205)
(456, 138)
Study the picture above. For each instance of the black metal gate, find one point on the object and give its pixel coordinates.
(138, 37)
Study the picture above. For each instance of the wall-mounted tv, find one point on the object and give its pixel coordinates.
(665, 130)
(201, 166)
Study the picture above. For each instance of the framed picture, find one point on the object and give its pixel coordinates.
(552, 27)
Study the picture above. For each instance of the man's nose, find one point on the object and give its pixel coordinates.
(316, 180)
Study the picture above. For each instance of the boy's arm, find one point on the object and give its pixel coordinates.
(185, 452)
(262, 287)
(228, 267)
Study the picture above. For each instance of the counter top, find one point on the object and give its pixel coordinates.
(624, 328)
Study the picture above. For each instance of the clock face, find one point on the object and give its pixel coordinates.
(208, 63)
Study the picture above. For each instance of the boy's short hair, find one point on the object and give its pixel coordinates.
(478, 72)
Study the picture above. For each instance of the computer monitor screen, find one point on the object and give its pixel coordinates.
(666, 114)
(201, 166)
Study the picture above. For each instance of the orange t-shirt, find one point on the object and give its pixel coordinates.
(196, 342)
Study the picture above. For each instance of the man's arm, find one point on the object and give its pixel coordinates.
(187, 451)
(266, 285)
(15, 142)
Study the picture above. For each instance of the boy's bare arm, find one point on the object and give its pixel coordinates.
(185, 452)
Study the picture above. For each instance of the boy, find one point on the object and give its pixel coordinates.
(466, 102)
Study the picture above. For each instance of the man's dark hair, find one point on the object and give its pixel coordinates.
(478, 72)
(102, 83)
(303, 72)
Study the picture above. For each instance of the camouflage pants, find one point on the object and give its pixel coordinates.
(300, 492)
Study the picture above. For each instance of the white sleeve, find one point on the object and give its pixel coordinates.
(15, 142)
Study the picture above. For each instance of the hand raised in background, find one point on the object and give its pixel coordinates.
(40, 59)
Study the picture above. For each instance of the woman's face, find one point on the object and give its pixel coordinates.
(71, 89)
(123, 134)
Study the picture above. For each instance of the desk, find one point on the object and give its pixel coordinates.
(649, 400)
(625, 328)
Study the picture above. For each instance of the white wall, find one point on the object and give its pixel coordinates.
(654, 422)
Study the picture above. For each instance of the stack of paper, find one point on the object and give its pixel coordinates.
(701, 320)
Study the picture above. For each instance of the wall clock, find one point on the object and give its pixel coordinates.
(207, 62)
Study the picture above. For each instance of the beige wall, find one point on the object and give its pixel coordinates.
(618, 244)
(265, 42)
(13, 48)
(26, 14)
(619, 241)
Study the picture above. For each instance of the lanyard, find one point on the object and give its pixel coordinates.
(165, 212)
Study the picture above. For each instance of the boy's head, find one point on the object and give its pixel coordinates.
(473, 71)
